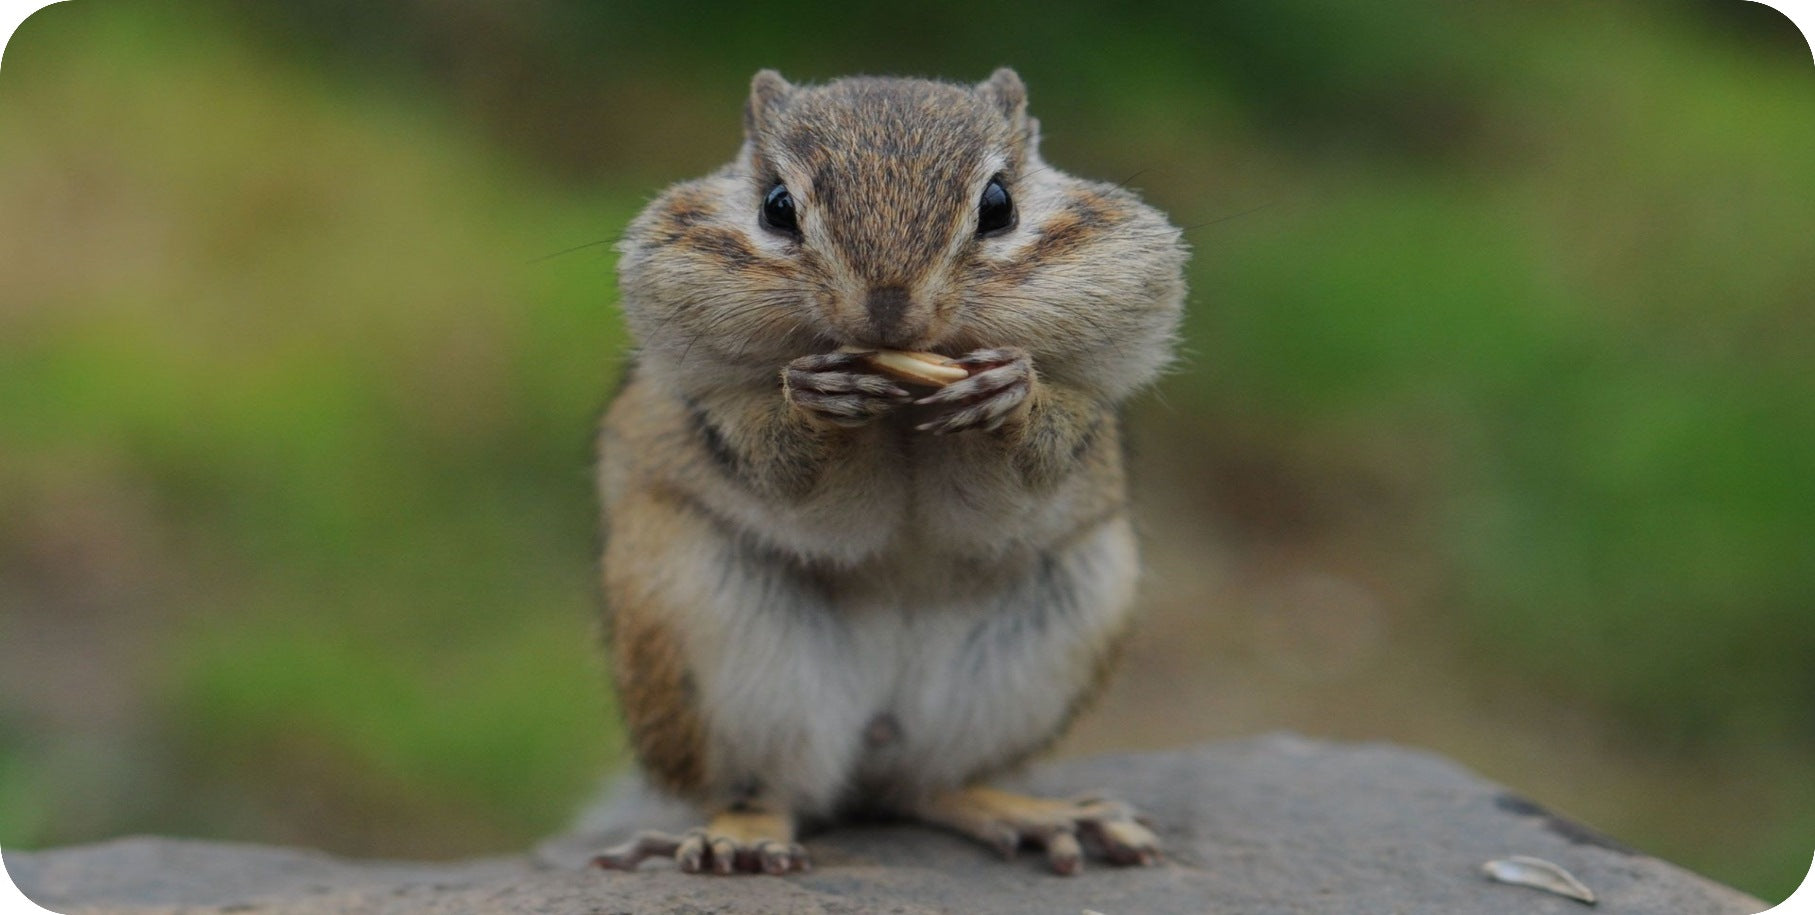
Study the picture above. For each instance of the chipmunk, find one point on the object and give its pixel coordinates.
(830, 590)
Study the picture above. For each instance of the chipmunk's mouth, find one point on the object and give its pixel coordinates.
(942, 346)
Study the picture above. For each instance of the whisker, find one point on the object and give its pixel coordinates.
(710, 326)
(1123, 184)
(1222, 219)
(590, 244)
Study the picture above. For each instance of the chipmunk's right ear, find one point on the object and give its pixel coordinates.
(768, 94)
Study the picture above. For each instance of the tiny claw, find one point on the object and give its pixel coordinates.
(1007, 842)
(1065, 854)
(773, 857)
(724, 857)
(1122, 841)
(1123, 856)
(691, 855)
(627, 856)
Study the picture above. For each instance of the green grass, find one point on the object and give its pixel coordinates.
(1591, 345)
(305, 325)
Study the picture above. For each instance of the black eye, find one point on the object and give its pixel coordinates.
(778, 210)
(995, 212)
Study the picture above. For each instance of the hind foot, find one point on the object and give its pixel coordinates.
(1064, 829)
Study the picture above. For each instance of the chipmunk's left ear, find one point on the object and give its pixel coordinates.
(1006, 93)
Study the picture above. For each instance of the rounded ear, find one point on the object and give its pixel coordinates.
(768, 94)
(1005, 92)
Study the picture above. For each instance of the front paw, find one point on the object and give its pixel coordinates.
(839, 388)
(995, 393)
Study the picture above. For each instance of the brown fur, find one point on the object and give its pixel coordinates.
(650, 667)
(772, 504)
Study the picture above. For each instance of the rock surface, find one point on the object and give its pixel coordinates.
(1271, 825)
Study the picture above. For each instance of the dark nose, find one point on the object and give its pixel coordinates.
(887, 306)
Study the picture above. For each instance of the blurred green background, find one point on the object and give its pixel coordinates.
(1495, 432)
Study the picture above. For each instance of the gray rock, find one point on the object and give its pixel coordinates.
(1271, 825)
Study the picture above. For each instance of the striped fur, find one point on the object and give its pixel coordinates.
(814, 610)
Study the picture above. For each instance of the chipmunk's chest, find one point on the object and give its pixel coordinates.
(947, 496)
(902, 503)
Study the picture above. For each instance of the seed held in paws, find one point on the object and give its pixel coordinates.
(928, 369)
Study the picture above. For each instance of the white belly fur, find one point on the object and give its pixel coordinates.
(971, 679)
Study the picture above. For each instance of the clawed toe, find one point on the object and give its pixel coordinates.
(1064, 854)
(1000, 383)
(646, 845)
(1119, 841)
(699, 851)
(837, 388)
(777, 858)
(1123, 842)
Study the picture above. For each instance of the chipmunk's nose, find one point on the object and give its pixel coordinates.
(888, 308)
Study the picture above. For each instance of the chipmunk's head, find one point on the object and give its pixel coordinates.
(902, 214)
(880, 188)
